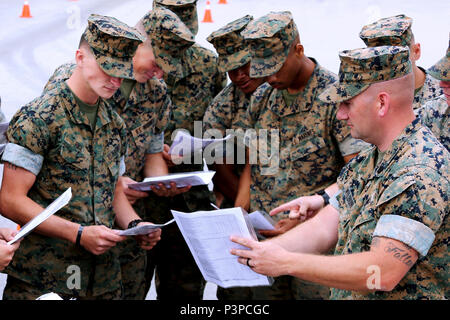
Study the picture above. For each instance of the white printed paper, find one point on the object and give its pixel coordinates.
(196, 178)
(56, 205)
(144, 229)
(261, 221)
(207, 234)
(184, 144)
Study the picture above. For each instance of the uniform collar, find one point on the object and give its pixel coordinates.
(306, 97)
(391, 155)
(76, 115)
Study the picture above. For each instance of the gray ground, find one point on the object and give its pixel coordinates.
(31, 49)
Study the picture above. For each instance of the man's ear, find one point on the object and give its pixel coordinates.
(79, 57)
(299, 50)
(383, 104)
(416, 51)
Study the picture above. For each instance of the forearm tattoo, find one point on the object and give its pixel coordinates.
(10, 166)
(401, 254)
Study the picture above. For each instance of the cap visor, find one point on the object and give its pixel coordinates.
(338, 92)
(229, 63)
(114, 67)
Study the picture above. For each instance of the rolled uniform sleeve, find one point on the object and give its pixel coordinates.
(414, 208)
(334, 202)
(413, 233)
(28, 139)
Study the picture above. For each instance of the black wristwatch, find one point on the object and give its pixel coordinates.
(325, 196)
(134, 223)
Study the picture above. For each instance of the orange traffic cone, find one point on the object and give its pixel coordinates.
(222, 1)
(207, 17)
(26, 10)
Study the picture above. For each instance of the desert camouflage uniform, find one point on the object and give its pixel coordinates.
(52, 138)
(402, 193)
(228, 110)
(396, 31)
(406, 192)
(146, 113)
(435, 114)
(186, 10)
(429, 91)
(193, 80)
(311, 141)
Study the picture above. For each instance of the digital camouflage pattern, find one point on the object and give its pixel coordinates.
(309, 140)
(170, 38)
(441, 69)
(429, 91)
(411, 180)
(146, 114)
(227, 110)
(54, 127)
(113, 44)
(391, 31)
(193, 93)
(396, 31)
(360, 68)
(435, 114)
(311, 148)
(185, 9)
(270, 38)
(231, 47)
(190, 96)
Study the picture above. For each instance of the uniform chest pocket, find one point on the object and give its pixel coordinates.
(306, 149)
(75, 155)
(113, 163)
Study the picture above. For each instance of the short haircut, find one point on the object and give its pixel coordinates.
(83, 41)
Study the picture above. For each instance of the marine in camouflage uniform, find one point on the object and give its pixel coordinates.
(435, 114)
(54, 139)
(193, 80)
(146, 112)
(312, 142)
(401, 193)
(227, 111)
(228, 108)
(396, 31)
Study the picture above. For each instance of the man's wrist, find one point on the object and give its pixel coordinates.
(325, 196)
(79, 233)
(134, 223)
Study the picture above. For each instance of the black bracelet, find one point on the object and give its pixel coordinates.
(325, 196)
(80, 231)
(134, 223)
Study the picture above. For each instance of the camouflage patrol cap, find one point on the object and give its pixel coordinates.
(113, 44)
(270, 38)
(233, 50)
(186, 10)
(360, 68)
(170, 38)
(391, 31)
(441, 69)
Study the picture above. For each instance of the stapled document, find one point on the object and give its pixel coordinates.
(207, 233)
